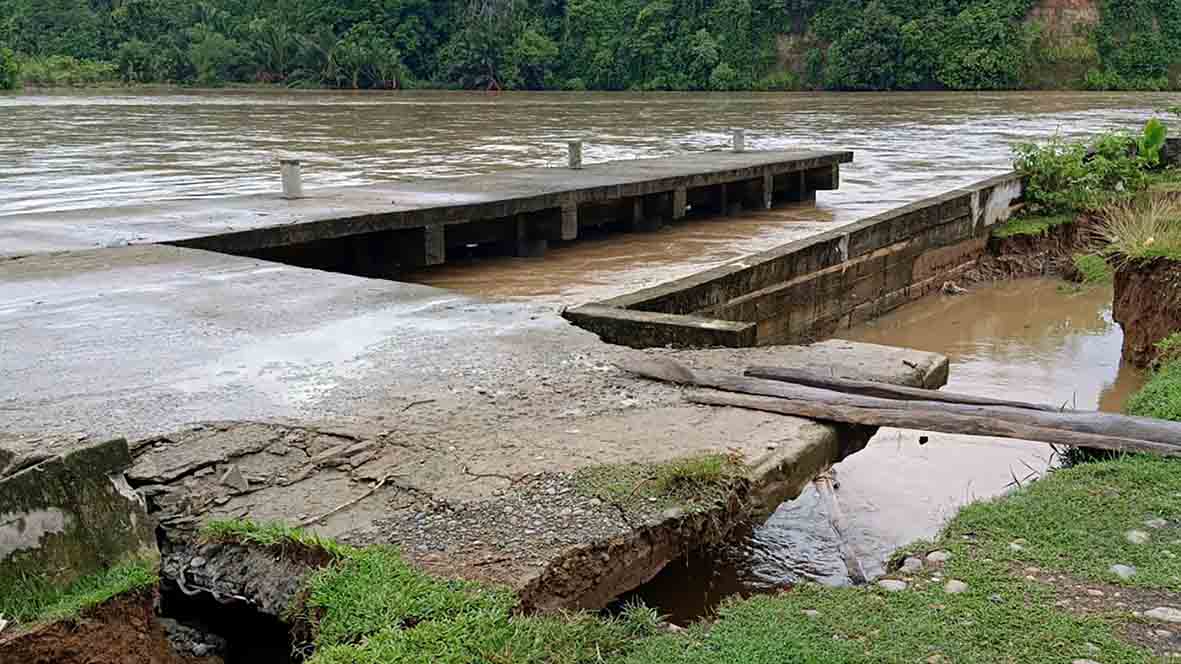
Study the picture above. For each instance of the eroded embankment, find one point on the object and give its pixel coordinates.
(1147, 305)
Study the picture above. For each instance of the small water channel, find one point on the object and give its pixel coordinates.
(1037, 340)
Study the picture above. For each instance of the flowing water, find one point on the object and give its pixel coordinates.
(1018, 340)
(84, 149)
(1038, 340)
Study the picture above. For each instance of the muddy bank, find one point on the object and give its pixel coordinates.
(1036, 254)
(1147, 305)
(123, 629)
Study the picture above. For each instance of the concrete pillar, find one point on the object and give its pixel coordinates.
(680, 203)
(574, 157)
(290, 171)
(569, 221)
(739, 140)
(524, 243)
(768, 190)
(434, 244)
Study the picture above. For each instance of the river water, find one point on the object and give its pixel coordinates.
(83, 149)
(1037, 340)
(1020, 340)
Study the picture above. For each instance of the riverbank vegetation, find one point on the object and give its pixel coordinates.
(1020, 578)
(592, 44)
(36, 599)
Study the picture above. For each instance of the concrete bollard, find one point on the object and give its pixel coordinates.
(292, 178)
(739, 140)
(575, 156)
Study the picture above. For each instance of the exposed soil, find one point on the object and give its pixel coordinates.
(1033, 255)
(124, 630)
(1147, 306)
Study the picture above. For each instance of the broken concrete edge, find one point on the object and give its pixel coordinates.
(72, 515)
(677, 313)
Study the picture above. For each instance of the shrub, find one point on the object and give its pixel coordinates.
(9, 69)
(1143, 228)
(1092, 268)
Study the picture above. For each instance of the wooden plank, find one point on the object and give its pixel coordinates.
(932, 420)
(1088, 423)
(882, 390)
(836, 520)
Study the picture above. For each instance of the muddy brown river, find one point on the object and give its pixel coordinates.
(1020, 340)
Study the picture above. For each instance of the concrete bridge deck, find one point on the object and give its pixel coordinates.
(413, 223)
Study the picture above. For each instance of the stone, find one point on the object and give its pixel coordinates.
(1156, 523)
(1083, 661)
(1124, 572)
(912, 565)
(1163, 633)
(1014, 546)
(955, 587)
(1164, 614)
(892, 585)
(811, 613)
(196, 562)
(996, 599)
(938, 557)
(1137, 537)
(1095, 592)
(233, 479)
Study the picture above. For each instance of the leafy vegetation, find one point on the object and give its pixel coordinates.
(9, 69)
(35, 599)
(1064, 176)
(587, 44)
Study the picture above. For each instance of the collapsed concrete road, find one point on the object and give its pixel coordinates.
(376, 411)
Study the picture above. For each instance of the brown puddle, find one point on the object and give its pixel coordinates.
(1033, 339)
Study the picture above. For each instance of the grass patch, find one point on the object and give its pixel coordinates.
(374, 607)
(1092, 268)
(1161, 395)
(1033, 225)
(698, 482)
(36, 599)
(1143, 228)
(275, 534)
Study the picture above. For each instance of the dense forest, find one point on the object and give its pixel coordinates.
(589, 44)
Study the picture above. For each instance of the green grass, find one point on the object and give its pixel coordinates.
(695, 483)
(1093, 269)
(1031, 225)
(36, 599)
(1161, 395)
(270, 535)
(374, 607)
(1144, 228)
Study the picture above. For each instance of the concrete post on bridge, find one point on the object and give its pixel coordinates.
(291, 173)
(574, 156)
(739, 140)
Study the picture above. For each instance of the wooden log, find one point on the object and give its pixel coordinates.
(836, 520)
(931, 419)
(1082, 422)
(884, 390)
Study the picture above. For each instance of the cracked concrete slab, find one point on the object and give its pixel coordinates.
(405, 414)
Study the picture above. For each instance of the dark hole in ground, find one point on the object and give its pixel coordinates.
(688, 589)
(251, 637)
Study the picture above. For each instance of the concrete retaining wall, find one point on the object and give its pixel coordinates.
(71, 515)
(809, 288)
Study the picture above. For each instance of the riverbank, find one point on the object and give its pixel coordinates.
(1080, 566)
